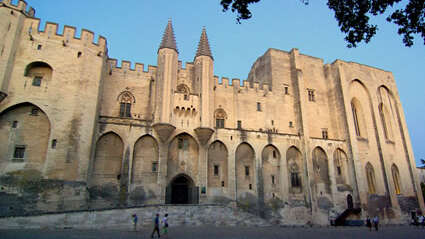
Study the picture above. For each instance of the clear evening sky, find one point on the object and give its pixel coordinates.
(134, 29)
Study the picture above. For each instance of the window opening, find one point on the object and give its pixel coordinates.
(325, 133)
(274, 154)
(19, 152)
(239, 124)
(154, 166)
(39, 47)
(311, 95)
(258, 106)
(219, 123)
(273, 180)
(246, 170)
(34, 111)
(215, 170)
(15, 124)
(250, 186)
(356, 120)
(286, 90)
(36, 81)
(180, 143)
(54, 142)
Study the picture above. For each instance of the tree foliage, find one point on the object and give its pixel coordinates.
(353, 17)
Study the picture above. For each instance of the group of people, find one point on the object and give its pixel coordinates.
(157, 222)
(372, 222)
(419, 220)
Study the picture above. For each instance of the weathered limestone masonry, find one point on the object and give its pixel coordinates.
(298, 142)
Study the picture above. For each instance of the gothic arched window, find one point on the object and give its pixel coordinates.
(370, 175)
(396, 179)
(126, 99)
(184, 89)
(220, 116)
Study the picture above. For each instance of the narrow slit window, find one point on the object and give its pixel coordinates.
(258, 106)
(246, 170)
(273, 180)
(239, 124)
(54, 142)
(15, 124)
(216, 170)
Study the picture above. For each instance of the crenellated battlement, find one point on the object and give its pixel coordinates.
(126, 67)
(21, 6)
(235, 84)
(68, 35)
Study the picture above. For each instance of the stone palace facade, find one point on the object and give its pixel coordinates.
(305, 140)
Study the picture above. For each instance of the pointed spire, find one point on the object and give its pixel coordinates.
(203, 45)
(168, 40)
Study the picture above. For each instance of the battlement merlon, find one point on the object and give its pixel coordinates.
(21, 7)
(68, 34)
(126, 66)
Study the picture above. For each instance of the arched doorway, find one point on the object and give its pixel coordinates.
(182, 190)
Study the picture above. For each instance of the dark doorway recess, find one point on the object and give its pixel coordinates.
(182, 190)
(349, 201)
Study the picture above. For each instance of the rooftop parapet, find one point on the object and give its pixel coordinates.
(68, 35)
(21, 6)
(126, 67)
(235, 84)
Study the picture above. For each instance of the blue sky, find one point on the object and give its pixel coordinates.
(134, 28)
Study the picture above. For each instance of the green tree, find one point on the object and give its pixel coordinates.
(353, 17)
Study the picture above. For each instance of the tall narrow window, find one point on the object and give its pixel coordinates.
(246, 170)
(310, 95)
(258, 106)
(286, 90)
(325, 133)
(338, 167)
(15, 124)
(220, 116)
(185, 144)
(54, 142)
(356, 119)
(295, 180)
(273, 180)
(239, 124)
(154, 166)
(370, 174)
(274, 154)
(216, 170)
(126, 99)
(180, 143)
(396, 179)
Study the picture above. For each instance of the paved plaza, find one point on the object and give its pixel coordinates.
(204, 232)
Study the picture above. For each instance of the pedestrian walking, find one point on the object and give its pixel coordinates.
(376, 222)
(368, 223)
(421, 220)
(134, 219)
(165, 225)
(156, 226)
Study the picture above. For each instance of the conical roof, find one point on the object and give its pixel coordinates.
(168, 39)
(204, 46)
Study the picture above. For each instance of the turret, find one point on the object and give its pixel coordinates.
(204, 74)
(166, 75)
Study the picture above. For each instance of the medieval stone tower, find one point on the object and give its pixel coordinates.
(314, 140)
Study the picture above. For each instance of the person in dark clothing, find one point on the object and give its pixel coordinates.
(156, 226)
(369, 223)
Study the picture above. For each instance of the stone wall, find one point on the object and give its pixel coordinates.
(190, 215)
